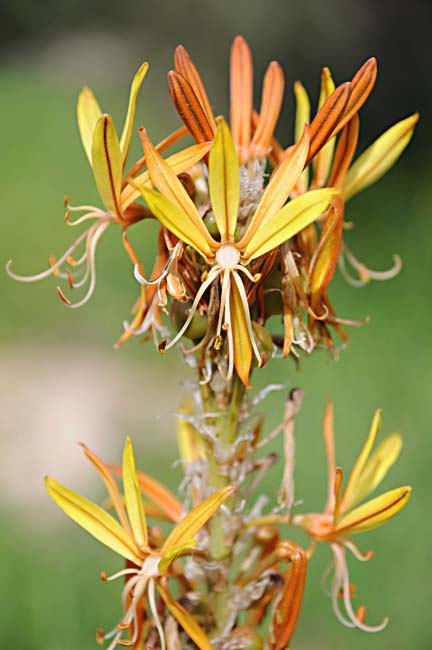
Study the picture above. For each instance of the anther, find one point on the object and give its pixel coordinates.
(162, 346)
(63, 297)
(100, 636)
(104, 576)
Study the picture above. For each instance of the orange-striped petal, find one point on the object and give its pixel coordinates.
(184, 65)
(189, 108)
(325, 122)
(374, 513)
(107, 163)
(361, 87)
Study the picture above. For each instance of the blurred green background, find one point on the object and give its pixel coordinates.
(61, 380)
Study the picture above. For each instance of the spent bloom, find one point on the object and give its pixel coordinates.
(343, 516)
(129, 537)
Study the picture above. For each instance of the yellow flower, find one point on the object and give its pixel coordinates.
(271, 224)
(107, 154)
(343, 516)
(128, 536)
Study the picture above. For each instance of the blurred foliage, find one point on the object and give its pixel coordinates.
(49, 576)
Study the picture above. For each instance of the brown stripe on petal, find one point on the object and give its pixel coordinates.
(271, 102)
(344, 153)
(189, 108)
(184, 65)
(361, 87)
(327, 119)
(241, 91)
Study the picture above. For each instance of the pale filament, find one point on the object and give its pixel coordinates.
(341, 581)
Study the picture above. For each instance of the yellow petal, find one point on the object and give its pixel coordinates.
(177, 221)
(350, 492)
(186, 620)
(166, 181)
(242, 345)
(132, 494)
(286, 223)
(107, 163)
(88, 113)
(322, 161)
(375, 512)
(278, 190)
(224, 181)
(130, 115)
(376, 469)
(169, 557)
(161, 496)
(111, 486)
(179, 162)
(302, 117)
(379, 157)
(196, 519)
(94, 520)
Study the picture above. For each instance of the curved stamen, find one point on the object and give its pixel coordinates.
(366, 274)
(92, 266)
(94, 214)
(153, 609)
(340, 555)
(54, 267)
(337, 585)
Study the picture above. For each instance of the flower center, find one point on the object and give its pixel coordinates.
(228, 256)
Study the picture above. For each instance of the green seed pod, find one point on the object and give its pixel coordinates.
(211, 225)
(179, 312)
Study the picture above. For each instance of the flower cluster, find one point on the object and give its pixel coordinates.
(236, 244)
(248, 229)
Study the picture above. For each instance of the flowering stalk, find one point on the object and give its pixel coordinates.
(237, 245)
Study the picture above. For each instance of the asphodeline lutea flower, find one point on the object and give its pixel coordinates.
(128, 536)
(271, 224)
(343, 516)
(107, 154)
